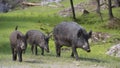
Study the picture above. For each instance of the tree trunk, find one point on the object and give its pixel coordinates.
(98, 6)
(98, 9)
(110, 9)
(15, 3)
(4, 6)
(73, 11)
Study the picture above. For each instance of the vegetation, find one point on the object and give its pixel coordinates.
(45, 18)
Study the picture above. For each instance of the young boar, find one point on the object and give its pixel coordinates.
(72, 35)
(35, 37)
(18, 44)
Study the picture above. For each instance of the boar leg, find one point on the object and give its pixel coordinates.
(14, 54)
(42, 51)
(32, 47)
(72, 54)
(36, 50)
(20, 55)
(58, 49)
(75, 53)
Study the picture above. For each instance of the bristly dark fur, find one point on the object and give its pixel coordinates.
(73, 35)
(17, 39)
(36, 38)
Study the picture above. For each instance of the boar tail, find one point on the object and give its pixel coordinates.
(16, 27)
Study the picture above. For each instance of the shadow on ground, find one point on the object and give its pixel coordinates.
(34, 61)
(92, 60)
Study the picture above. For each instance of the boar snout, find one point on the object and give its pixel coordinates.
(47, 49)
(88, 50)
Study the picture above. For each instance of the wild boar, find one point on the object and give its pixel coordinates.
(72, 35)
(18, 44)
(36, 38)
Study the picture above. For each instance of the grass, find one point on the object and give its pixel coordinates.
(41, 17)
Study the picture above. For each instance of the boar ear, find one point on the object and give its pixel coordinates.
(90, 34)
(18, 36)
(80, 32)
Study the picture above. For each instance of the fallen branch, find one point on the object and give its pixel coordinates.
(30, 4)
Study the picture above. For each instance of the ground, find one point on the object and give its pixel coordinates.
(49, 61)
(33, 63)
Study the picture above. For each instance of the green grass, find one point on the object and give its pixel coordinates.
(47, 18)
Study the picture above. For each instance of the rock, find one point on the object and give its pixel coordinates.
(68, 11)
(100, 37)
(54, 6)
(4, 7)
(81, 7)
(114, 51)
(46, 2)
(113, 23)
(50, 1)
(85, 12)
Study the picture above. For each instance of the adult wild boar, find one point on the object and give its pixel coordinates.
(72, 35)
(18, 44)
(35, 37)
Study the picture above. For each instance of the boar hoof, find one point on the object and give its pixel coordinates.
(20, 60)
(77, 59)
(72, 56)
(14, 60)
(42, 54)
(58, 56)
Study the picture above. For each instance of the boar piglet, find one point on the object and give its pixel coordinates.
(36, 38)
(18, 44)
(72, 35)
